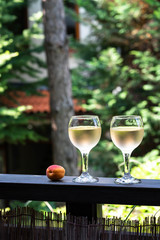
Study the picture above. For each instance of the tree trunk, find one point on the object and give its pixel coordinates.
(56, 46)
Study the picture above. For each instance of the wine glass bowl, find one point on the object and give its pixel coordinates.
(84, 133)
(126, 133)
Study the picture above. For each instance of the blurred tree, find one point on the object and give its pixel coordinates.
(119, 73)
(56, 45)
(18, 62)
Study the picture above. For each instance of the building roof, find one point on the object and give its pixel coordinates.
(39, 103)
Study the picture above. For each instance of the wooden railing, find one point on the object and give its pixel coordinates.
(80, 199)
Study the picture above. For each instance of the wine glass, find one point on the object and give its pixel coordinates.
(84, 133)
(126, 133)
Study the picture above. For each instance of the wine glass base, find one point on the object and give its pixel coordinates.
(127, 180)
(85, 178)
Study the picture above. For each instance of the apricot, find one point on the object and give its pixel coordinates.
(55, 172)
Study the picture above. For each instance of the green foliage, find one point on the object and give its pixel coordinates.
(14, 125)
(148, 167)
(119, 72)
(36, 205)
(43, 206)
(122, 211)
(18, 63)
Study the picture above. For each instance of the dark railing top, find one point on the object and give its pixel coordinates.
(39, 187)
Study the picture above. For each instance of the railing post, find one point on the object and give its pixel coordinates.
(77, 209)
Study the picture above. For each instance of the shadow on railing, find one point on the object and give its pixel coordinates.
(28, 224)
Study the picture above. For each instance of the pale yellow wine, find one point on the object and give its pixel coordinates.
(127, 138)
(84, 137)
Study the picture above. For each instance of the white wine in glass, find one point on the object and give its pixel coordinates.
(127, 133)
(84, 133)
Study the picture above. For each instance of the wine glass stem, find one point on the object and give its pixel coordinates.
(126, 157)
(85, 162)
